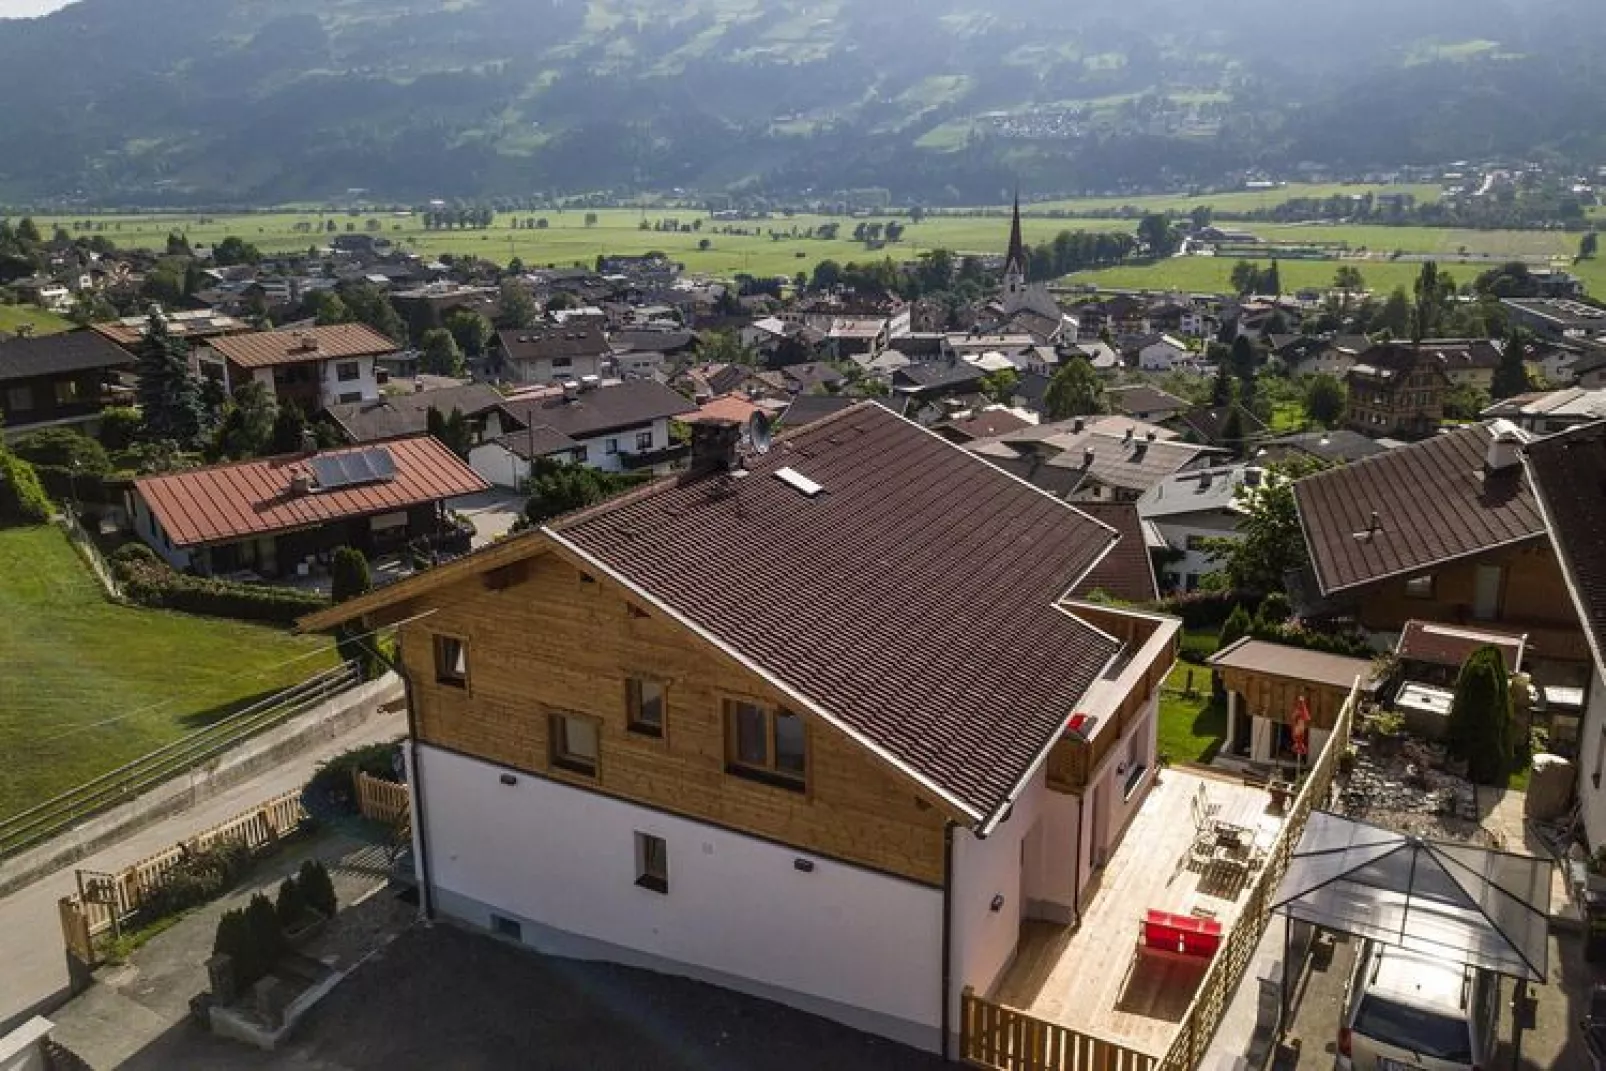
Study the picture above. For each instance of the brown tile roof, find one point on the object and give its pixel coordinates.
(131, 329)
(396, 415)
(48, 355)
(911, 602)
(1144, 399)
(537, 441)
(1433, 504)
(1060, 463)
(262, 349)
(1449, 645)
(1294, 663)
(1126, 572)
(622, 405)
(1569, 473)
(224, 503)
(578, 338)
(986, 424)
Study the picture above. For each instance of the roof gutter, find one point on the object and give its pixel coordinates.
(753, 667)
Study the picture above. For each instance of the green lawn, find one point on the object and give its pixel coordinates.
(43, 323)
(87, 685)
(1192, 727)
(1232, 201)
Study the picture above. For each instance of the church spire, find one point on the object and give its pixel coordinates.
(1015, 261)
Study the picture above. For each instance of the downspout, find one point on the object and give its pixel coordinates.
(1076, 867)
(947, 929)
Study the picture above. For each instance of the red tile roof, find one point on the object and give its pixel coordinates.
(725, 407)
(1450, 645)
(1433, 504)
(912, 602)
(223, 503)
(262, 349)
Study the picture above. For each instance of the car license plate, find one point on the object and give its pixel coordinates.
(1385, 1064)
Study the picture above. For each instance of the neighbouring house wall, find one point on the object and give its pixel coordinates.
(838, 940)
(148, 528)
(547, 641)
(1592, 763)
(1183, 533)
(1104, 822)
(499, 465)
(1532, 592)
(596, 447)
(333, 390)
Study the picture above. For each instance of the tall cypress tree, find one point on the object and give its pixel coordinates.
(1480, 727)
(169, 397)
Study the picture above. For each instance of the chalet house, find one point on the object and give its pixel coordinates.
(1558, 467)
(1182, 318)
(194, 326)
(396, 416)
(1547, 412)
(1336, 447)
(56, 380)
(925, 383)
(285, 516)
(1446, 530)
(1212, 425)
(1145, 403)
(619, 428)
(1397, 392)
(1467, 361)
(1304, 356)
(553, 354)
(726, 749)
(313, 367)
(1189, 508)
(1091, 459)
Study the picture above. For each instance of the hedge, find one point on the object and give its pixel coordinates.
(22, 498)
(150, 582)
(1204, 609)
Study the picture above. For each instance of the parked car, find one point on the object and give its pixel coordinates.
(1404, 1011)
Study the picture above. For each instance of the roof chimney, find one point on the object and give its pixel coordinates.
(1079, 424)
(1087, 457)
(714, 445)
(309, 441)
(1151, 435)
(300, 484)
(1128, 436)
(1504, 442)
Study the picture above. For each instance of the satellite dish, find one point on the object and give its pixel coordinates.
(758, 433)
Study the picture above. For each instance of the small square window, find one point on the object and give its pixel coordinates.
(66, 391)
(582, 454)
(1419, 587)
(563, 362)
(503, 926)
(652, 863)
(451, 661)
(350, 396)
(643, 440)
(611, 447)
(574, 743)
(19, 399)
(644, 702)
(347, 371)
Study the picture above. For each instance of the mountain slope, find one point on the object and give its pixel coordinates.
(250, 101)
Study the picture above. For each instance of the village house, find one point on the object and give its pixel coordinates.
(1547, 412)
(312, 367)
(1335, 447)
(1558, 467)
(56, 381)
(1556, 319)
(1306, 356)
(725, 749)
(553, 353)
(1143, 402)
(1164, 353)
(1446, 530)
(1397, 392)
(395, 416)
(194, 326)
(1468, 362)
(1098, 459)
(286, 515)
(619, 428)
(1213, 425)
(1183, 512)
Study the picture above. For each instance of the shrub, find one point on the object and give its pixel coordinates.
(290, 905)
(119, 427)
(316, 888)
(1480, 724)
(332, 786)
(1237, 627)
(233, 939)
(1203, 609)
(63, 448)
(134, 553)
(267, 938)
(200, 878)
(22, 497)
(1275, 609)
(150, 582)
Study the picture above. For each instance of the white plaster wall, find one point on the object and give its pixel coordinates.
(597, 455)
(367, 384)
(1592, 763)
(566, 858)
(146, 527)
(983, 939)
(1117, 811)
(1196, 562)
(499, 465)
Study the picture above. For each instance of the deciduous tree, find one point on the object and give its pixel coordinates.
(1325, 399)
(1075, 390)
(439, 353)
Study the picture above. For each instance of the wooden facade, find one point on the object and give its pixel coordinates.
(1533, 600)
(1270, 696)
(61, 398)
(543, 638)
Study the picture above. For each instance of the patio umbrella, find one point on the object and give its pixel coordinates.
(1457, 902)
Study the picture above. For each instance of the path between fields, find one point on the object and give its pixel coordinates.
(33, 966)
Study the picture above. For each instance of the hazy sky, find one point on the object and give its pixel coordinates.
(18, 9)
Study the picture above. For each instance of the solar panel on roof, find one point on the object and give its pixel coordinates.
(334, 471)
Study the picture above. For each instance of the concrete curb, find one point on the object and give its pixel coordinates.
(330, 720)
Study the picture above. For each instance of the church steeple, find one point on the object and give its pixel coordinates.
(1015, 260)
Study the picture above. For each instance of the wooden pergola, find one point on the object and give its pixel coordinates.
(1272, 677)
